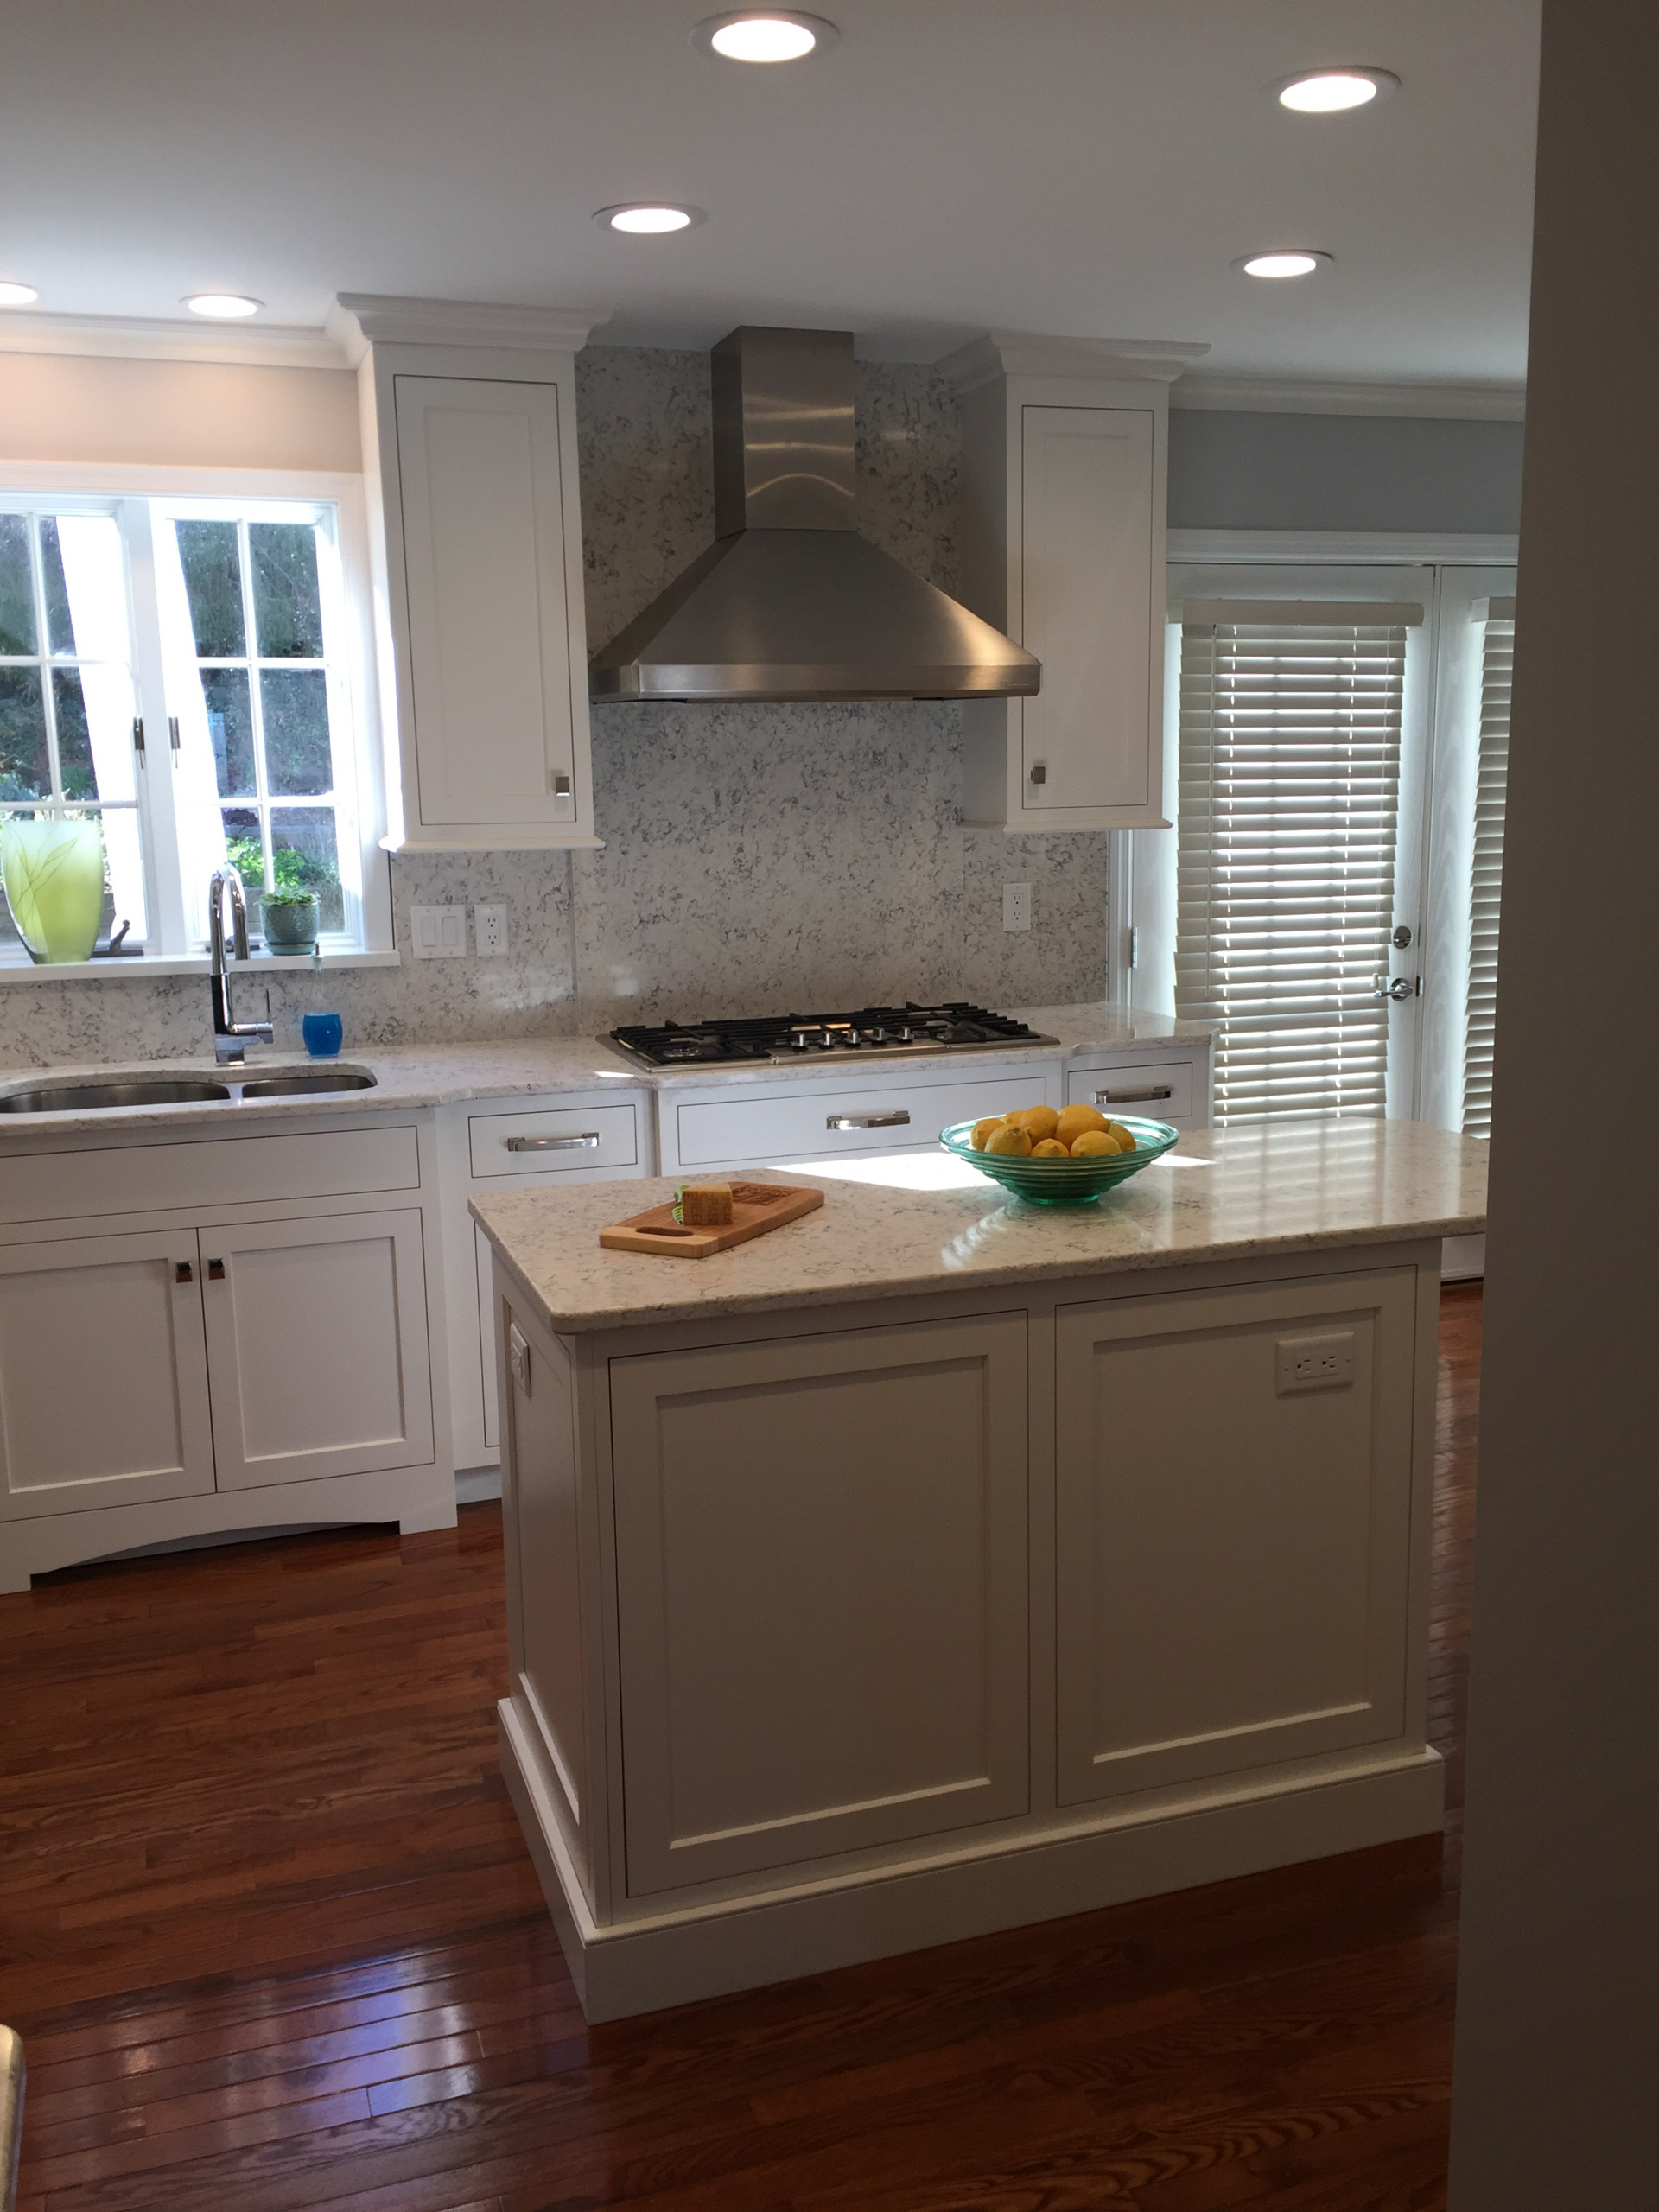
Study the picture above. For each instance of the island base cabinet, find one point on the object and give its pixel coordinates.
(1232, 1509)
(821, 1594)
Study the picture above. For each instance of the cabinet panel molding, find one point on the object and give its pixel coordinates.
(1233, 1557)
(822, 1593)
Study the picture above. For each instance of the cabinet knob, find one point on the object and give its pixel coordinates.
(183, 1272)
(215, 1270)
(1039, 772)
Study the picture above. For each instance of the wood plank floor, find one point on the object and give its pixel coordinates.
(269, 1934)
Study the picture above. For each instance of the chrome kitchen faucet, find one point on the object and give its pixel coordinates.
(231, 1037)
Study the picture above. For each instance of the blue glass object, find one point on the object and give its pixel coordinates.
(322, 1033)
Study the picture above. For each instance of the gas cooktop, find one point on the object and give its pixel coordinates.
(953, 1027)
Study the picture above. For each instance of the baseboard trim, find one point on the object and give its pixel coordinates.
(677, 1957)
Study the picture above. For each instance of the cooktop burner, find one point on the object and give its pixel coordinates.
(952, 1027)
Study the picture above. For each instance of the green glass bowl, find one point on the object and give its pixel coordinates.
(1064, 1182)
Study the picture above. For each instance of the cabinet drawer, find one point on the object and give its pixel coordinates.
(1160, 1091)
(851, 1116)
(553, 1138)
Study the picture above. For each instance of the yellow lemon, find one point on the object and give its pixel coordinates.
(982, 1130)
(1125, 1137)
(1094, 1144)
(1074, 1119)
(1048, 1149)
(1039, 1121)
(1009, 1139)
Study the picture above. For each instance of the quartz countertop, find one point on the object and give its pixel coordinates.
(1284, 1187)
(410, 1076)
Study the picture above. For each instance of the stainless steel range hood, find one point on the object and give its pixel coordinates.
(791, 602)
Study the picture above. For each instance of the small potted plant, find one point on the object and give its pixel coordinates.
(292, 918)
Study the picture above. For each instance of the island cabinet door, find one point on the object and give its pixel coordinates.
(317, 1347)
(1233, 1529)
(821, 1581)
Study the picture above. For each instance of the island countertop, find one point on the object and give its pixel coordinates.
(1221, 1194)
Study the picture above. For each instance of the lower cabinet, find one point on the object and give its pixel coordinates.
(821, 1593)
(104, 1391)
(1232, 1507)
(317, 1347)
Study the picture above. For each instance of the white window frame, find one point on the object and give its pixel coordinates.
(177, 910)
(1425, 1056)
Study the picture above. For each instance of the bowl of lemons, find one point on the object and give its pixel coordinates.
(1058, 1157)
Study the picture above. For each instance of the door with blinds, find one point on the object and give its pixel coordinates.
(1302, 713)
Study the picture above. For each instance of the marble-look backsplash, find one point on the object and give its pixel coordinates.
(756, 858)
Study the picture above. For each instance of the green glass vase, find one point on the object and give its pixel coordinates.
(52, 869)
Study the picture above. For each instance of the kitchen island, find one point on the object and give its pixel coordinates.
(937, 1563)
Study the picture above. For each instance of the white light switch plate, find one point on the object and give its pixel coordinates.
(1016, 905)
(490, 930)
(440, 932)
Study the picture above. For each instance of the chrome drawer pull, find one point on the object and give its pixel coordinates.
(1134, 1097)
(587, 1141)
(898, 1120)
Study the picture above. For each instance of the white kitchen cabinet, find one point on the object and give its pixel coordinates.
(1233, 1545)
(469, 439)
(213, 1332)
(1064, 474)
(317, 1347)
(1173, 1087)
(102, 1373)
(821, 1647)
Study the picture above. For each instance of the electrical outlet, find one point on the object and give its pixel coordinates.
(439, 932)
(1321, 1362)
(1016, 905)
(490, 929)
(519, 1358)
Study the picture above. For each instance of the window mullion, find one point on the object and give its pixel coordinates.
(43, 640)
(256, 707)
(169, 903)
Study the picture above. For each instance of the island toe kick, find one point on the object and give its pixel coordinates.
(840, 1629)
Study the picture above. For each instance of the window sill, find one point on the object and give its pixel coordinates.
(148, 966)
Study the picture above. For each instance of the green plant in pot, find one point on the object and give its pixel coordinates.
(292, 918)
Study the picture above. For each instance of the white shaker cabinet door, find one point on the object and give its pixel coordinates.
(317, 1346)
(1233, 1546)
(1086, 581)
(820, 1590)
(103, 1374)
(484, 545)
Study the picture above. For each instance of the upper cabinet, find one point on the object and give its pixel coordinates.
(469, 442)
(1063, 469)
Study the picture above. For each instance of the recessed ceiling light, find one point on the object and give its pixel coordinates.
(1289, 262)
(17, 296)
(1330, 92)
(223, 307)
(649, 218)
(765, 34)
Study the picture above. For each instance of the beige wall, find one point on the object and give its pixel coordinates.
(181, 414)
(1555, 2106)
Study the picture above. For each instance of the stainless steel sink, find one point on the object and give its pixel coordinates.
(298, 1086)
(136, 1090)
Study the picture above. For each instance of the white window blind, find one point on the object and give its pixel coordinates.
(1491, 780)
(1290, 733)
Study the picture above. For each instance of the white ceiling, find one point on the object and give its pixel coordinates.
(1086, 167)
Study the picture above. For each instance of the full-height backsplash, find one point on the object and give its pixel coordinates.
(756, 858)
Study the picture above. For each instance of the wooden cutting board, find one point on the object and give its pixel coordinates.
(756, 1207)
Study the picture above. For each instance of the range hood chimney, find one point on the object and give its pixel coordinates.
(791, 602)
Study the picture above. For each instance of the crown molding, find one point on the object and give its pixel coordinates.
(131, 338)
(1491, 403)
(1019, 353)
(359, 319)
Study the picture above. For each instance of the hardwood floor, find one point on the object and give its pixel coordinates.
(273, 1941)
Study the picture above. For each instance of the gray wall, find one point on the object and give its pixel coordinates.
(1556, 2085)
(1231, 471)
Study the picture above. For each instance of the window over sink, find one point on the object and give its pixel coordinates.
(191, 672)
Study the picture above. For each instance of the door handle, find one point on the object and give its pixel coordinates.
(898, 1120)
(588, 1141)
(215, 1270)
(1135, 1097)
(1401, 987)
